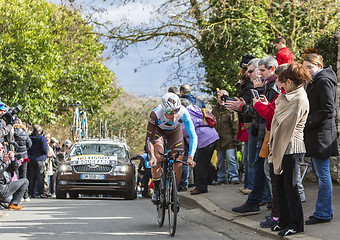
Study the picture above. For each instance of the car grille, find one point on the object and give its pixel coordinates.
(96, 169)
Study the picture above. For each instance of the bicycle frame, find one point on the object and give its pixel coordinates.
(79, 126)
(168, 191)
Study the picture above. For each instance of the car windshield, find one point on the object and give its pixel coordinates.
(98, 149)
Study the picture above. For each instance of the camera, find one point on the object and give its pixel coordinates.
(227, 98)
(9, 117)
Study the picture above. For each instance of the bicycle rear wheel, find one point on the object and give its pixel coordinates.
(173, 203)
(161, 205)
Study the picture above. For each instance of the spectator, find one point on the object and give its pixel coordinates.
(22, 144)
(287, 146)
(186, 96)
(185, 92)
(8, 165)
(5, 127)
(284, 55)
(227, 128)
(36, 167)
(173, 89)
(249, 152)
(267, 66)
(207, 141)
(266, 110)
(144, 163)
(64, 150)
(51, 165)
(321, 132)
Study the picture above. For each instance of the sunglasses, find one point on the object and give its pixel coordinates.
(171, 112)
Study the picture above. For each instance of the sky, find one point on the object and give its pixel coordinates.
(146, 80)
(150, 80)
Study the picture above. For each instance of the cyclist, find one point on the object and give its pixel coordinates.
(165, 124)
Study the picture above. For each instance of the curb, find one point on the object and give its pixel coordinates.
(198, 201)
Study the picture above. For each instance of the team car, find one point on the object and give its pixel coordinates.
(97, 166)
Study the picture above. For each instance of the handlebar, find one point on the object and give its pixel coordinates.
(80, 109)
(170, 156)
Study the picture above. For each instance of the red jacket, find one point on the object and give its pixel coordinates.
(267, 111)
(284, 56)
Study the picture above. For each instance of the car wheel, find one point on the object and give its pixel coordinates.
(60, 195)
(131, 195)
(74, 195)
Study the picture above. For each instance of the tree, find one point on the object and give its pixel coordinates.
(49, 55)
(219, 32)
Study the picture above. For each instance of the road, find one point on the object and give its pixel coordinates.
(110, 219)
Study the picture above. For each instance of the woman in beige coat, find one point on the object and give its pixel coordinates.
(287, 146)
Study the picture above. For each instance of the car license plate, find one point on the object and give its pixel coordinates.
(92, 176)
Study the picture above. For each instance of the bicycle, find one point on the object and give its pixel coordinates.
(79, 126)
(168, 191)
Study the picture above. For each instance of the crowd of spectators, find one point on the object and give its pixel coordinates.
(285, 111)
(28, 162)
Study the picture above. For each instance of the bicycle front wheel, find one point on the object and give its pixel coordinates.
(173, 203)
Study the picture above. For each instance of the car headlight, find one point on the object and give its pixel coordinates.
(121, 169)
(65, 168)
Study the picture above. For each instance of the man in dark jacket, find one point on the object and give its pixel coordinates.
(36, 167)
(267, 66)
(8, 165)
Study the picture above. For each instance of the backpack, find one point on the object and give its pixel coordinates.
(209, 118)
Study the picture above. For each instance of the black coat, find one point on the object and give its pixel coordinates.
(320, 132)
(23, 141)
(246, 94)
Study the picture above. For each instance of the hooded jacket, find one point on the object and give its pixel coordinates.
(22, 141)
(320, 131)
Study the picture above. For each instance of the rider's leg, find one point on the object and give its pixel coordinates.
(156, 171)
(178, 169)
(158, 147)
